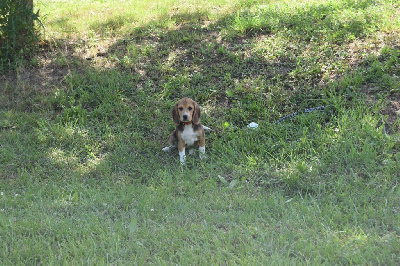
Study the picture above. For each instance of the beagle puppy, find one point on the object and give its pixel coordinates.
(189, 132)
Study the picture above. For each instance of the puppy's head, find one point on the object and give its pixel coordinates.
(187, 111)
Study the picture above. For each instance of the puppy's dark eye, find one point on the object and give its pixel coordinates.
(190, 108)
(180, 108)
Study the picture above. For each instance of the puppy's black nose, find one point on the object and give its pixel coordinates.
(185, 117)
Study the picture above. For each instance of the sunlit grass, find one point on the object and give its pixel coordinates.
(94, 19)
(102, 19)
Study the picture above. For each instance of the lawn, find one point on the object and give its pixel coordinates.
(83, 179)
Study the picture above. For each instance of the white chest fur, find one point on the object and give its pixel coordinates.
(189, 136)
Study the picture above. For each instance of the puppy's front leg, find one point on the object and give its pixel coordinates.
(202, 151)
(202, 146)
(181, 148)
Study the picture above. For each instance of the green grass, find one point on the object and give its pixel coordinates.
(82, 125)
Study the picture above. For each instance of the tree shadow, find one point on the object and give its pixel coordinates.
(220, 63)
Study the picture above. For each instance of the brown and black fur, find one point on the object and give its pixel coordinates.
(175, 138)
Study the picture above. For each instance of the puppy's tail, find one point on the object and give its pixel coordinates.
(206, 129)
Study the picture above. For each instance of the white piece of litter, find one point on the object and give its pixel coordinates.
(252, 125)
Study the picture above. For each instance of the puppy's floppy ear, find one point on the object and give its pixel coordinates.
(196, 114)
(175, 115)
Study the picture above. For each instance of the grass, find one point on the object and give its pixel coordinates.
(82, 124)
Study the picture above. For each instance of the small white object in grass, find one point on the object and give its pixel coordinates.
(167, 149)
(252, 125)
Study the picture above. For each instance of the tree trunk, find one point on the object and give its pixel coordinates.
(29, 19)
(29, 3)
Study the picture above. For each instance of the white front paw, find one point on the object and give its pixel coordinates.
(182, 157)
(202, 152)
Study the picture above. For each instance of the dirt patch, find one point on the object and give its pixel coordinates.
(392, 111)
